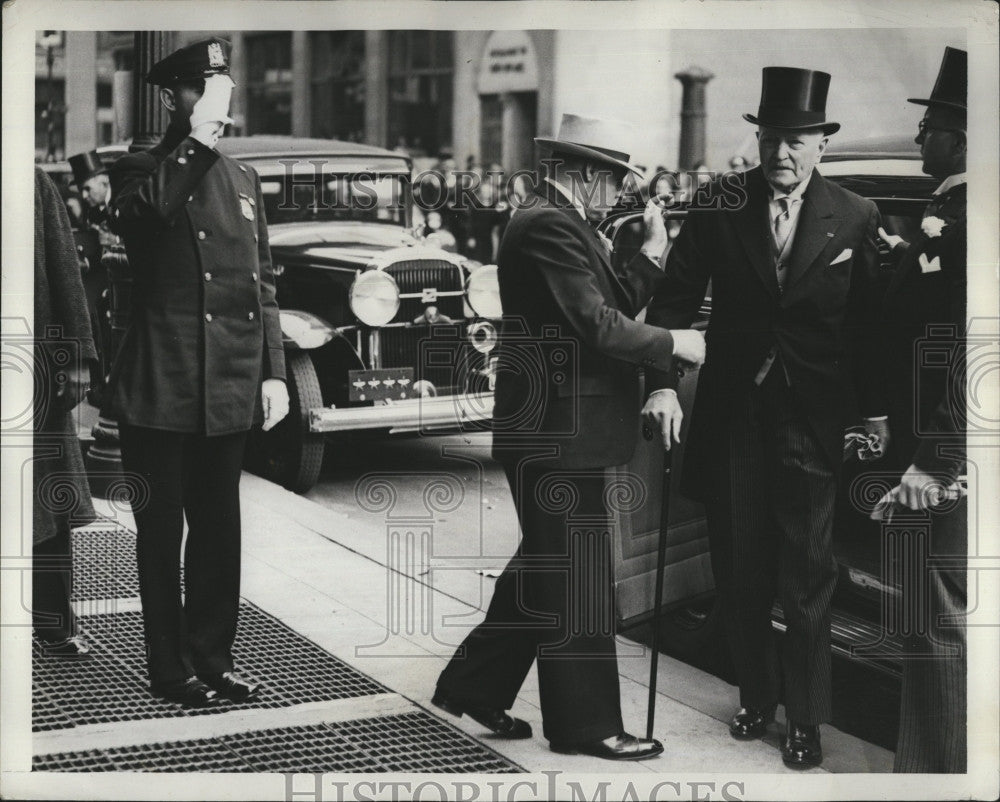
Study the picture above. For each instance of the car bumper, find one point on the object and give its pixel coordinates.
(416, 414)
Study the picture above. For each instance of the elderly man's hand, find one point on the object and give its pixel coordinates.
(274, 395)
(662, 413)
(919, 490)
(656, 240)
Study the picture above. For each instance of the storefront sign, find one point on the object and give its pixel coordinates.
(509, 64)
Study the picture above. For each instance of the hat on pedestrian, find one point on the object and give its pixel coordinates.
(197, 60)
(85, 166)
(793, 99)
(604, 141)
(951, 88)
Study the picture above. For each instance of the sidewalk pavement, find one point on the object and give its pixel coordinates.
(359, 588)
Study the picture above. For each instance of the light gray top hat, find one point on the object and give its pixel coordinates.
(604, 141)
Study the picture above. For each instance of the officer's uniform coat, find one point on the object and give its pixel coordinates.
(204, 329)
(924, 354)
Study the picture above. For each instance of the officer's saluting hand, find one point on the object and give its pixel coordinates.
(201, 362)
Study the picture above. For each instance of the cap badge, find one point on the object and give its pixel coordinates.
(215, 55)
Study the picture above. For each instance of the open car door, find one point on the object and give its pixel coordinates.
(688, 575)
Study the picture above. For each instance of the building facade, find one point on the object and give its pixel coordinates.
(482, 96)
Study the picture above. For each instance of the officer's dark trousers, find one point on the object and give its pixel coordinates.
(770, 532)
(195, 477)
(932, 725)
(554, 601)
(52, 583)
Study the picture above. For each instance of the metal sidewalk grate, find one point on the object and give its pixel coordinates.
(410, 742)
(112, 685)
(104, 564)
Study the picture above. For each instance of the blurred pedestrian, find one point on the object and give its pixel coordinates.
(925, 405)
(63, 347)
(200, 363)
(489, 216)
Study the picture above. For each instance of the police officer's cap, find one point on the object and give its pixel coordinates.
(197, 60)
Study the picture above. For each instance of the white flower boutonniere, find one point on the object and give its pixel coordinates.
(932, 226)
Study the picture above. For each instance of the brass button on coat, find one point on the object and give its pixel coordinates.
(208, 276)
(208, 317)
(202, 235)
(250, 316)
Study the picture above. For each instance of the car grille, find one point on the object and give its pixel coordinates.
(399, 347)
(417, 275)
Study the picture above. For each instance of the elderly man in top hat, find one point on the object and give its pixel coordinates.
(567, 404)
(91, 178)
(792, 259)
(200, 362)
(926, 409)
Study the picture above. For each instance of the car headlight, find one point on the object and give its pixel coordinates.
(483, 292)
(374, 298)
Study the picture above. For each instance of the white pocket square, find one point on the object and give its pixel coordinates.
(932, 266)
(843, 256)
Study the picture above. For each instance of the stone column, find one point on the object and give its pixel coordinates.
(692, 144)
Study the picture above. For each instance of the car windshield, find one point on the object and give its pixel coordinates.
(318, 189)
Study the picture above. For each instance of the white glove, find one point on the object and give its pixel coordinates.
(892, 240)
(211, 112)
(689, 346)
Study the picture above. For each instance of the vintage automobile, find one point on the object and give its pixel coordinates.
(384, 330)
(889, 172)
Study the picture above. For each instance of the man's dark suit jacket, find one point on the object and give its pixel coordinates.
(821, 323)
(923, 325)
(568, 382)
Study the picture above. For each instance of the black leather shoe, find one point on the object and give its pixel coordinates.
(617, 747)
(231, 686)
(800, 747)
(497, 721)
(190, 692)
(750, 723)
(75, 648)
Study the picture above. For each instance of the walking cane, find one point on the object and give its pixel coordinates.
(661, 553)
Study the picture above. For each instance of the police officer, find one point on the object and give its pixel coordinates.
(200, 362)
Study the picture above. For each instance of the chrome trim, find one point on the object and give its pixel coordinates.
(413, 414)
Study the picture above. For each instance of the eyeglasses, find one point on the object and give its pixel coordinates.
(923, 128)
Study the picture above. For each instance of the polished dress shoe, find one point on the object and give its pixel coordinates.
(75, 648)
(190, 692)
(750, 723)
(231, 685)
(617, 747)
(800, 747)
(497, 721)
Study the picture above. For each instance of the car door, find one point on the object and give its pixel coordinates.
(688, 572)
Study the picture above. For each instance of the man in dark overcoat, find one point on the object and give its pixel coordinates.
(923, 317)
(200, 362)
(567, 404)
(791, 257)
(64, 347)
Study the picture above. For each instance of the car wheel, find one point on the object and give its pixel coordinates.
(696, 634)
(291, 455)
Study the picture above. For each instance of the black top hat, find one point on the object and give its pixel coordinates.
(85, 166)
(793, 99)
(197, 60)
(951, 88)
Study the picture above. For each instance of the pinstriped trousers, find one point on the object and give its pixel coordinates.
(770, 531)
(932, 722)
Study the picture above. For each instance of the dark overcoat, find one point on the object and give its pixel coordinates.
(204, 329)
(567, 373)
(63, 336)
(821, 323)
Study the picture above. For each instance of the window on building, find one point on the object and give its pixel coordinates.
(338, 84)
(269, 83)
(421, 71)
